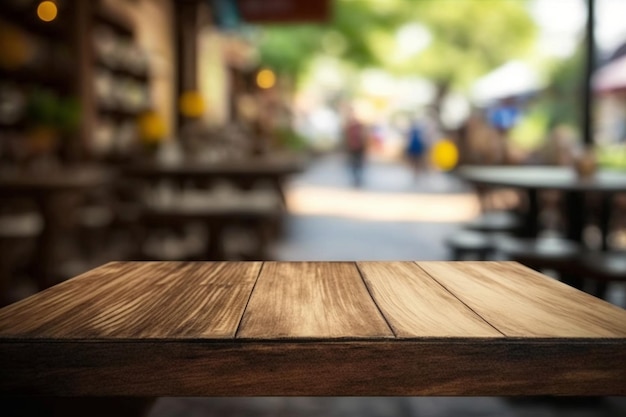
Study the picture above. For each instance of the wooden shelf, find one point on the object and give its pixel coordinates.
(115, 21)
(20, 125)
(123, 72)
(118, 113)
(38, 78)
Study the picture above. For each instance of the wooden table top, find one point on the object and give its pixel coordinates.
(312, 328)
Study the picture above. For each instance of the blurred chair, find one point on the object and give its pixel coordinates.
(603, 268)
(238, 223)
(478, 238)
(18, 233)
(496, 222)
(469, 245)
(548, 252)
(95, 219)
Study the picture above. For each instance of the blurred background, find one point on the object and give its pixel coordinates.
(326, 130)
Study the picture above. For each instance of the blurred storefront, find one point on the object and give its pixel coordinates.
(102, 64)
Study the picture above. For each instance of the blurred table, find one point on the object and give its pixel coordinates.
(217, 212)
(48, 188)
(532, 179)
(312, 328)
(243, 172)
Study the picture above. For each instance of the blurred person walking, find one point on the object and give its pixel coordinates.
(417, 148)
(355, 134)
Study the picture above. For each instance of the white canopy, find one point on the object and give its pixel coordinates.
(512, 79)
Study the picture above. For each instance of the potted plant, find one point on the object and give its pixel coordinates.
(49, 118)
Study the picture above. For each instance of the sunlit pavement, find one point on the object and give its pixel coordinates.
(395, 215)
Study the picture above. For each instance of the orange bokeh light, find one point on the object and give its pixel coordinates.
(47, 11)
(266, 79)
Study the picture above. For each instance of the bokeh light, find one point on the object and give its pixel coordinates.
(191, 104)
(444, 155)
(266, 78)
(152, 129)
(47, 11)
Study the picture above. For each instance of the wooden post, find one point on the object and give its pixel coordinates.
(187, 28)
(587, 119)
(83, 38)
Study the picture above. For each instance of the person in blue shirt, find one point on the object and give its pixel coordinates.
(417, 148)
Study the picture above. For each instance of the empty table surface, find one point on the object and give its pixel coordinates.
(543, 177)
(533, 179)
(312, 328)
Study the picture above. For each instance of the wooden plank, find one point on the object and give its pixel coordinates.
(311, 300)
(520, 302)
(383, 367)
(415, 305)
(27, 317)
(141, 300)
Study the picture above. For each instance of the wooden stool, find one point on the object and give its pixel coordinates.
(604, 268)
(467, 244)
(15, 231)
(216, 219)
(551, 252)
(496, 222)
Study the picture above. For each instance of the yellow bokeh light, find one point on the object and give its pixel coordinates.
(191, 104)
(47, 11)
(152, 129)
(266, 79)
(444, 155)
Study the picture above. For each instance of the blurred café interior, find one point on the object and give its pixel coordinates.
(161, 130)
(108, 150)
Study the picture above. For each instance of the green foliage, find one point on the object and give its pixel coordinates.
(290, 48)
(47, 109)
(565, 95)
(530, 132)
(287, 49)
(469, 37)
(42, 108)
(612, 156)
(290, 139)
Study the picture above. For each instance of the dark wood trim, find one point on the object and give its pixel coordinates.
(590, 63)
(412, 367)
(187, 25)
(85, 78)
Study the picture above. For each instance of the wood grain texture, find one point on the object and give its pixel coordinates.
(311, 300)
(437, 367)
(219, 328)
(138, 300)
(415, 305)
(520, 302)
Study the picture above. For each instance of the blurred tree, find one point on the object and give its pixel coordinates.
(463, 39)
(469, 38)
(288, 49)
(562, 100)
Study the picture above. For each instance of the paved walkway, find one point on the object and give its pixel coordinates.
(395, 215)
